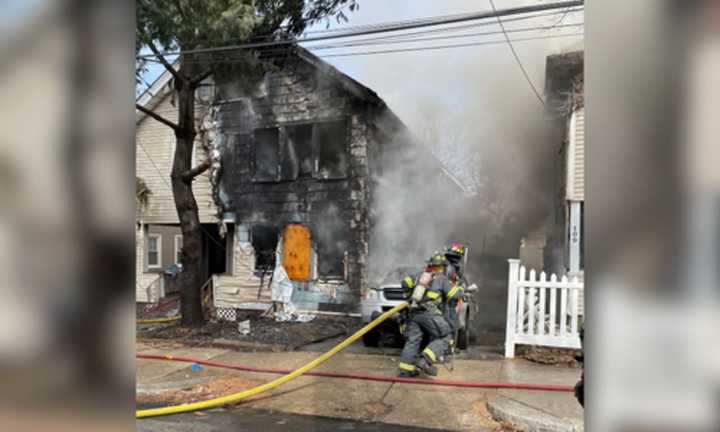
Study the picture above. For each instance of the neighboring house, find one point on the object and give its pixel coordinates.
(301, 150)
(158, 237)
(564, 90)
(558, 245)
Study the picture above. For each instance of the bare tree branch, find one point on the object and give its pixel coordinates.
(157, 117)
(196, 171)
(164, 61)
(197, 79)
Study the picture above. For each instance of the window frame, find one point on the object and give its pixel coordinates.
(317, 150)
(177, 250)
(158, 243)
(278, 155)
(313, 152)
(283, 144)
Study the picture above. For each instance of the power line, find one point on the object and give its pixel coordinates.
(401, 50)
(428, 23)
(455, 28)
(517, 58)
(415, 40)
(450, 46)
(282, 52)
(427, 31)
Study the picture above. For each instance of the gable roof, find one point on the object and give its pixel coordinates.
(349, 84)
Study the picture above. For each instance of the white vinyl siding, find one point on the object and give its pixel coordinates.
(155, 146)
(575, 187)
(147, 285)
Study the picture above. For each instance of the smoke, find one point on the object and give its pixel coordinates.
(473, 110)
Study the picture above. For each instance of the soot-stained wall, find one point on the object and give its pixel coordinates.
(296, 148)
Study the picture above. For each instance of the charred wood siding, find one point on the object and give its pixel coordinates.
(298, 95)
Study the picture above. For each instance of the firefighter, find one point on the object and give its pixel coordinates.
(408, 285)
(427, 317)
(454, 255)
(580, 386)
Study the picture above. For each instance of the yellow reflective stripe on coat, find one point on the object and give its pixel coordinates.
(409, 282)
(454, 291)
(432, 295)
(430, 354)
(406, 366)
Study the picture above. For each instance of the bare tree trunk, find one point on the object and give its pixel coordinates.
(185, 204)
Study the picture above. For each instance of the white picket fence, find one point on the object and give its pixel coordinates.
(542, 311)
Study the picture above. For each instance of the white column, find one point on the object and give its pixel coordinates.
(574, 240)
(511, 308)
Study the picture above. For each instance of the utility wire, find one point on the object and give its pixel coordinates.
(450, 46)
(399, 50)
(517, 58)
(426, 32)
(282, 52)
(394, 28)
(434, 38)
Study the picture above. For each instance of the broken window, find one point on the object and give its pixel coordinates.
(308, 150)
(264, 241)
(288, 159)
(266, 154)
(331, 235)
(331, 141)
(299, 139)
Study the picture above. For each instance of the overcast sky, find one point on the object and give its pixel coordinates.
(457, 77)
(401, 78)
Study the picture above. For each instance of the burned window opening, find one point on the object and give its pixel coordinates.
(267, 154)
(264, 242)
(332, 240)
(331, 142)
(288, 158)
(299, 141)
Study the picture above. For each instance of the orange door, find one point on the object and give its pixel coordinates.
(297, 252)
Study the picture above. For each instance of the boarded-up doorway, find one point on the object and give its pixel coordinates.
(297, 252)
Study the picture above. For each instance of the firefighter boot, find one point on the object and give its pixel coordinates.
(407, 374)
(426, 366)
(407, 370)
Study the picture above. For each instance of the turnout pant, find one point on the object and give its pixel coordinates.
(439, 332)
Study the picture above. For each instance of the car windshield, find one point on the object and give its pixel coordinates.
(395, 276)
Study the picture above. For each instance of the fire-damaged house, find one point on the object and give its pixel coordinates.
(299, 155)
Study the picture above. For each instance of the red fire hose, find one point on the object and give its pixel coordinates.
(365, 377)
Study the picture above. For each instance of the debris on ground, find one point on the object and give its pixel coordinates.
(377, 410)
(244, 327)
(485, 419)
(264, 330)
(550, 356)
(222, 386)
(506, 426)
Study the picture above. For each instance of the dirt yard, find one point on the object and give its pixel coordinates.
(263, 330)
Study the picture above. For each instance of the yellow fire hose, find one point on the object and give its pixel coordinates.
(157, 320)
(224, 400)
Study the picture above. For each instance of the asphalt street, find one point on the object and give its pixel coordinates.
(245, 419)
